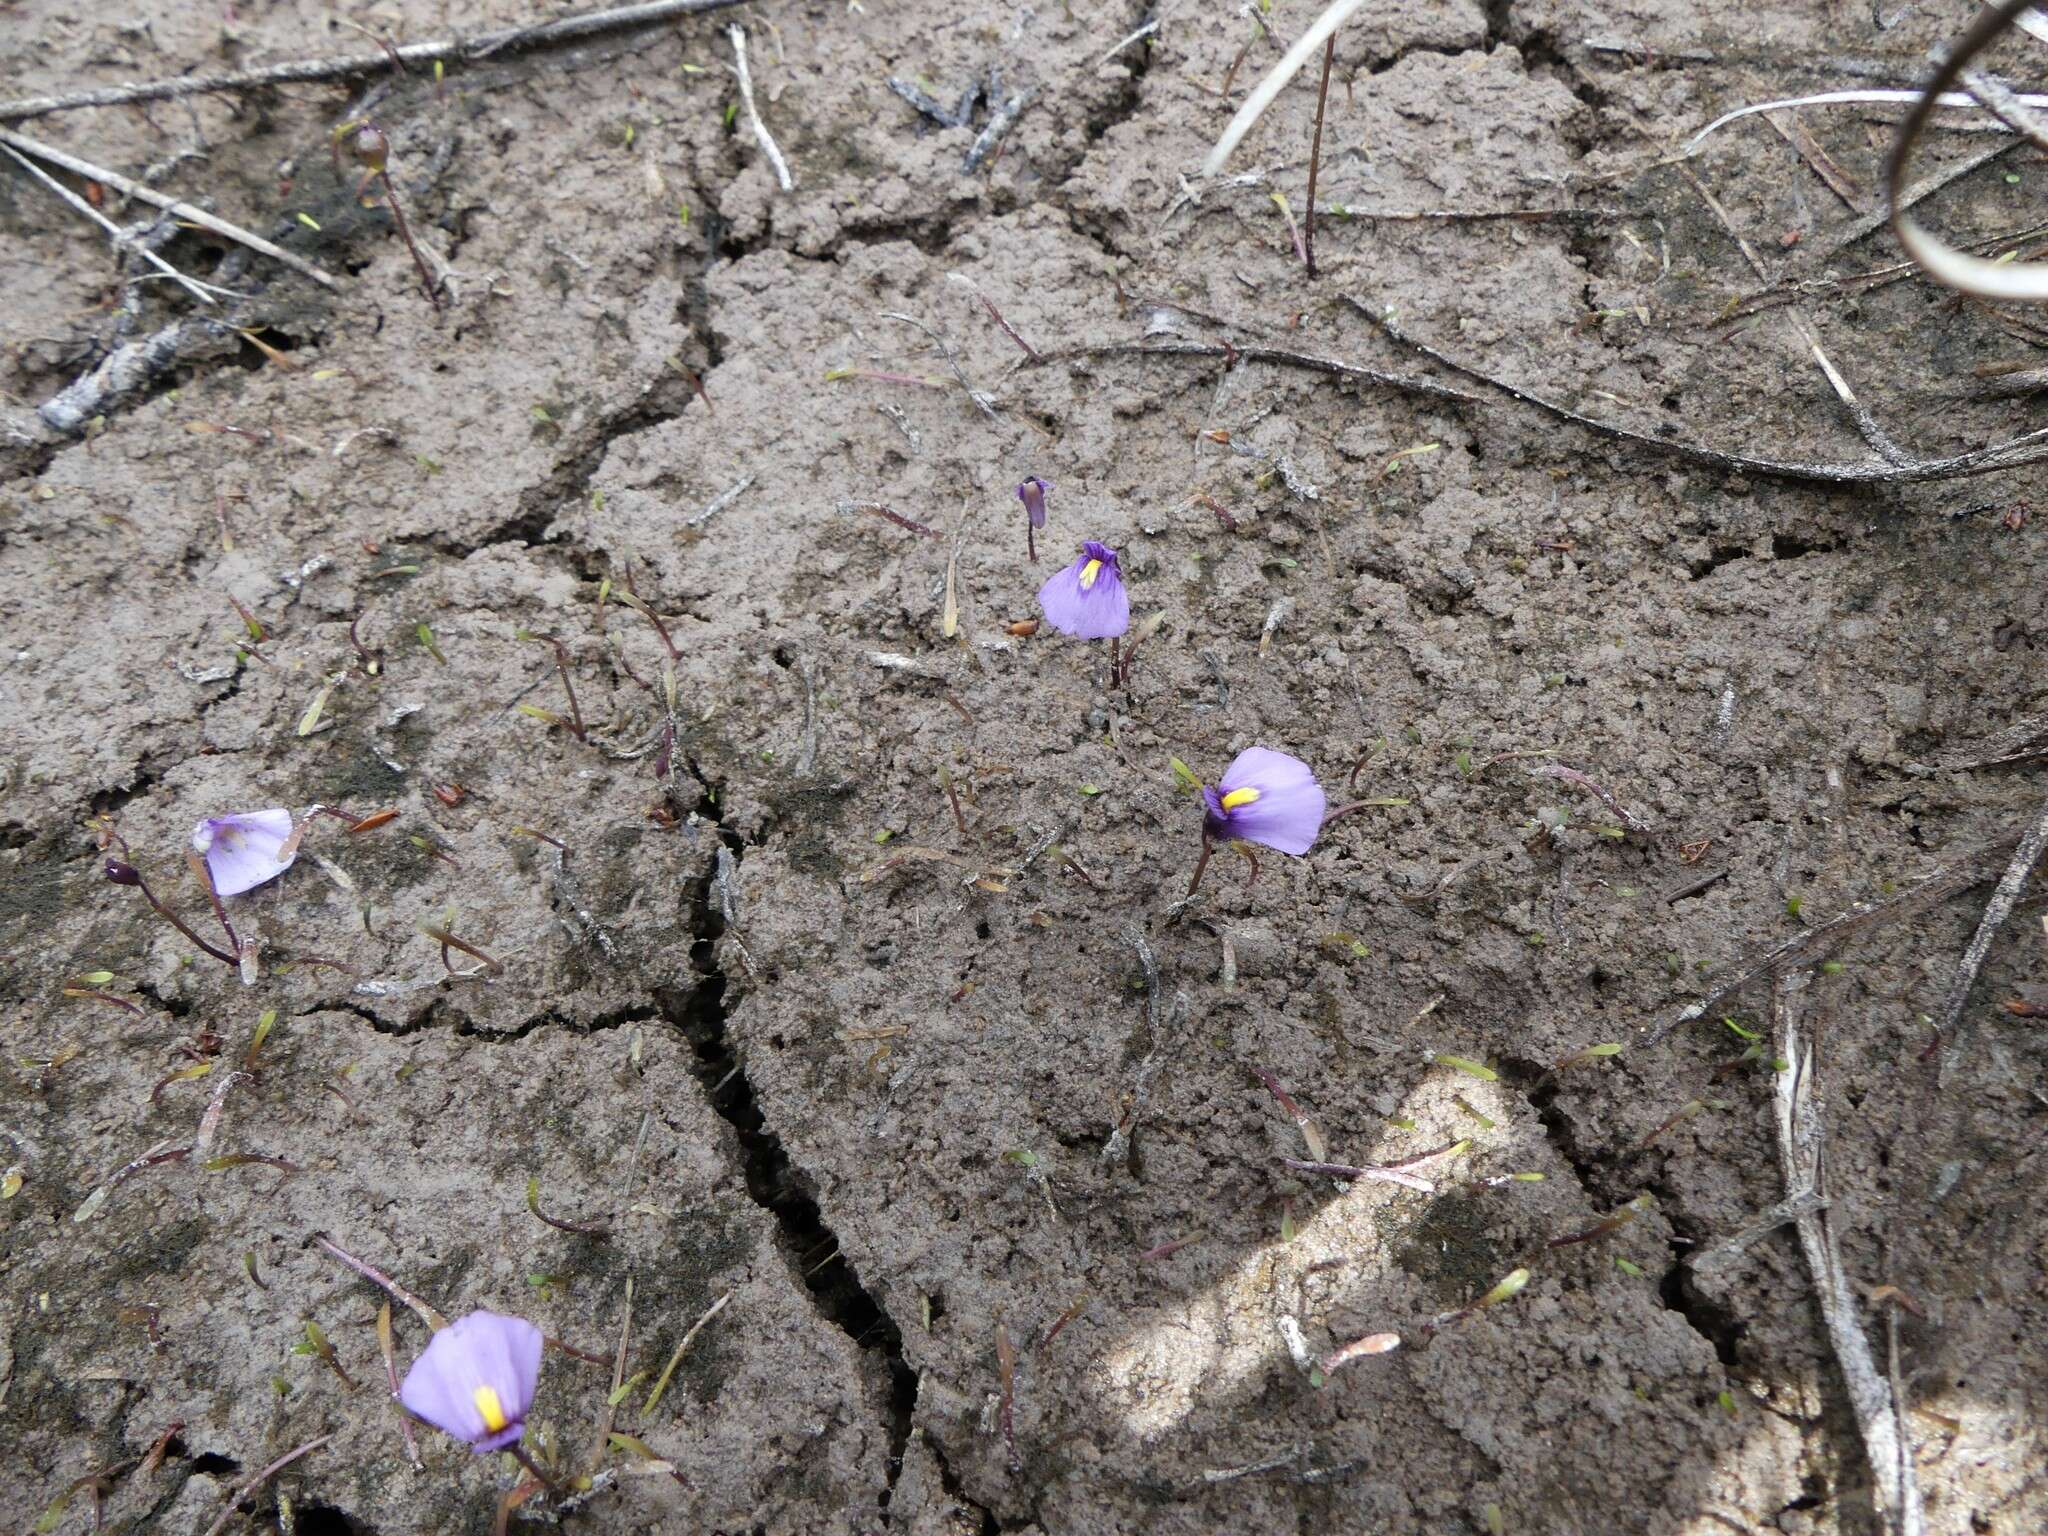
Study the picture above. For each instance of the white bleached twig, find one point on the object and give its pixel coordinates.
(114, 231)
(1276, 80)
(739, 50)
(1955, 99)
(1801, 1139)
(183, 210)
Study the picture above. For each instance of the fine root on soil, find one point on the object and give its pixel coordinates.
(1880, 441)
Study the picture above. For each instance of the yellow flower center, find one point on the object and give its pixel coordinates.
(1239, 797)
(487, 1404)
(1089, 572)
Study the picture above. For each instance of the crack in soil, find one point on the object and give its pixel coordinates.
(666, 398)
(773, 1182)
(1709, 1319)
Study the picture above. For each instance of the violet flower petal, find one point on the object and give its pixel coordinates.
(1098, 611)
(1032, 494)
(1286, 811)
(486, 1356)
(245, 849)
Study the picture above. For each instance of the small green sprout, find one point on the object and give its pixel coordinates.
(1486, 1123)
(1510, 1287)
(1485, 1074)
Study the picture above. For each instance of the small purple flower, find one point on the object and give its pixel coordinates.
(245, 849)
(1268, 798)
(1087, 599)
(1032, 494)
(475, 1379)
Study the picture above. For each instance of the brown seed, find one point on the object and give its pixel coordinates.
(1024, 627)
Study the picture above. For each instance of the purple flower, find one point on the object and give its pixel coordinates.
(1032, 494)
(246, 849)
(475, 1379)
(1266, 797)
(1087, 599)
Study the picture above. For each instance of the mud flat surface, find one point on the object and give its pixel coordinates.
(1004, 1219)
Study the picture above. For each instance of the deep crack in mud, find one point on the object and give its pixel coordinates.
(772, 1181)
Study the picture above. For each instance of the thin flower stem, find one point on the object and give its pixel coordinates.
(428, 1315)
(199, 868)
(959, 821)
(427, 277)
(180, 924)
(260, 1479)
(524, 1457)
(1346, 810)
(1030, 540)
(1200, 864)
(568, 686)
(1315, 156)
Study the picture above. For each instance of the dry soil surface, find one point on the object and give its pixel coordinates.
(998, 1201)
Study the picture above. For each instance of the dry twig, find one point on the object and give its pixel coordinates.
(1802, 1138)
(1954, 1027)
(761, 134)
(172, 205)
(481, 46)
(1965, 872)
(114, 231)
(2013, 453)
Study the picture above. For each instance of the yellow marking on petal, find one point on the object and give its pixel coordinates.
(1089, 572)
(487, 1404)
(1239, 797)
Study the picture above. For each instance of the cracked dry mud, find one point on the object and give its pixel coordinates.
(773, 1020)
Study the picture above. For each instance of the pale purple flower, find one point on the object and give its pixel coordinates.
(1087, 599)
(1268, 798)
(1032, 494)
(245, 849)
(475, 1379)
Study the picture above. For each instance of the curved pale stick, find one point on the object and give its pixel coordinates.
(2026, 282)
(1276, 81)
(1957, 99)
